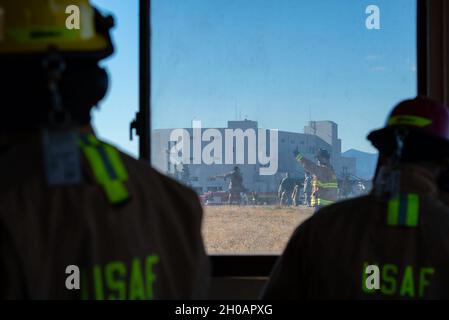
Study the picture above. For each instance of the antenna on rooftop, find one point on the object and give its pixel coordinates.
(235, 109)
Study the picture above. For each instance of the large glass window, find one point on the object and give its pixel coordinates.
(247, 83)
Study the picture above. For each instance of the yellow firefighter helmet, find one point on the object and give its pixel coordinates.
(72, 27)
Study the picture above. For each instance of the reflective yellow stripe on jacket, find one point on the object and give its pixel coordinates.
(325, 185)
(316, 201)
(403, 210)
(106, 166)
(320, 202)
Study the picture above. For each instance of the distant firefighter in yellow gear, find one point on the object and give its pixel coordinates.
(324, 180)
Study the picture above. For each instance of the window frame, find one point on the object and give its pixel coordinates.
(239, 265)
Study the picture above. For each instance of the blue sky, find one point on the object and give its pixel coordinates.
(118, 109)
(280, 62)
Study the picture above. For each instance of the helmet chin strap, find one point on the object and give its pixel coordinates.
(55, 66)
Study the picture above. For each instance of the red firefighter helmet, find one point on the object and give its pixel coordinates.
(425, 121)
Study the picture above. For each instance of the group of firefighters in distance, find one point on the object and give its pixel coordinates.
(320, 186)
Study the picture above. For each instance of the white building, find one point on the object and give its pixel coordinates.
(202, 177)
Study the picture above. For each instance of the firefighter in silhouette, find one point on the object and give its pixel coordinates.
(324, 180)
(399, 228)
(66, 197)
(235, 185)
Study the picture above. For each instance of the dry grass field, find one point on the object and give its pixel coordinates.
(250, 229)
